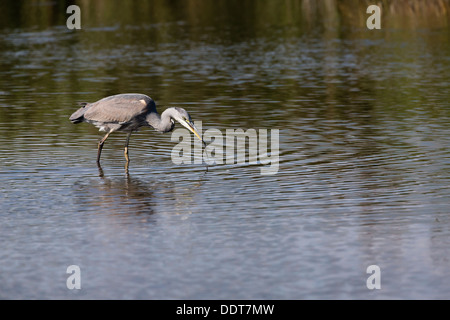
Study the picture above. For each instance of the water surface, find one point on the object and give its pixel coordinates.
(362, 180)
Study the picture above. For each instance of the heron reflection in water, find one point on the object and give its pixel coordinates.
(128, 112)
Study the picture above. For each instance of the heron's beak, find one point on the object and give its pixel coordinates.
(191, 127)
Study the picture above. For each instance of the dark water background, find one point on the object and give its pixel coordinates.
(364, 151)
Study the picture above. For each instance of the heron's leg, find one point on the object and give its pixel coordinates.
(127, 164)
(126, 147)
(100, 146)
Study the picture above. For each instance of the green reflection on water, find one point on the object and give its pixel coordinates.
(237, 63)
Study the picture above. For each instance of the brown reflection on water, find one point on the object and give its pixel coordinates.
(121, 195)
(252, 15)
(112, 194)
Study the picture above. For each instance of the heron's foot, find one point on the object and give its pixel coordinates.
(100, 170)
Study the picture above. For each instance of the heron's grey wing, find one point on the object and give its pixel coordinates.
(121, 108)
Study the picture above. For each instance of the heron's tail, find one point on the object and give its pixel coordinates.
(78, 116)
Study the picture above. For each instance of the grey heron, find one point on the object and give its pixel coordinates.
(128, 112)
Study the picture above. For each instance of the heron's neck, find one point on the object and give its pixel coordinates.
(161, 123)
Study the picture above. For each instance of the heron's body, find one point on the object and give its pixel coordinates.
(128, 112)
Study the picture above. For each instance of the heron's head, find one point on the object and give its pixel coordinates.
(183, 117)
